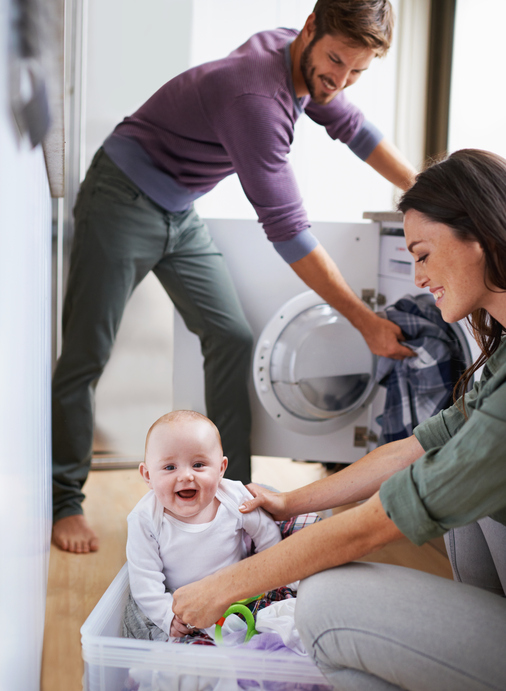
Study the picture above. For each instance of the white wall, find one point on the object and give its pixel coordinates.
(133, 48)
(478, 97)
(25, 298)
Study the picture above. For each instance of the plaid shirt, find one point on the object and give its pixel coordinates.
(419, 387)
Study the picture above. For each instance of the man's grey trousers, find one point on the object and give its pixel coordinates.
(121, 235)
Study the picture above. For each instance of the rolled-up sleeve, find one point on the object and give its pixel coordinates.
(433, 432)
(456, 483)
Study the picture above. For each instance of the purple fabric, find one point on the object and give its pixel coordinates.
(231, 115)
(137, 164)
(269, 641)
(272, 643)
(366, 140)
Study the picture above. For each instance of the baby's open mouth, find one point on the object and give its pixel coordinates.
(187, 493)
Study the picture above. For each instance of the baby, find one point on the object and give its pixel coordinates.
(188, 526)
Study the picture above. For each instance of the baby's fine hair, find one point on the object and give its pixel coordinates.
(176, 416)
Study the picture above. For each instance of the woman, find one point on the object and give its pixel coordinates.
(376, 626)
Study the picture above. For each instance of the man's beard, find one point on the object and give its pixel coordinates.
(308, 69)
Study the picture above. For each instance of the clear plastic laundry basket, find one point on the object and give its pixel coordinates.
(112, 663)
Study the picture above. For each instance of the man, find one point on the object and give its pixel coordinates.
(134, 214)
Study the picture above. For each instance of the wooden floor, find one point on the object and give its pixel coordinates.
(76, 582)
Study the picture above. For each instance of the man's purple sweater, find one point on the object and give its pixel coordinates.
(234, 115)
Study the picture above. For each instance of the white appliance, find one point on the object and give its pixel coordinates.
(312, 387)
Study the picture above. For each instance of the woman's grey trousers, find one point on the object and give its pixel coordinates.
(380, 627)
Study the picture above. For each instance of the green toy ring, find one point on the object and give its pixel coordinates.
(236, 608)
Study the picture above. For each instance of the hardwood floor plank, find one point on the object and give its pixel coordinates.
(77, 581)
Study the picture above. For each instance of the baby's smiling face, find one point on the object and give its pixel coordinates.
(183, 465)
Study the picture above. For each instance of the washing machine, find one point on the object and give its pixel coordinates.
(312, 386)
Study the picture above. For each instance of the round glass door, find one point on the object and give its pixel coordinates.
(320, 365)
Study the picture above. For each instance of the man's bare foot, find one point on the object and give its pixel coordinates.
(73, 534)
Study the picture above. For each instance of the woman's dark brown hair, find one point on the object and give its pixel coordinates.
(467, 192)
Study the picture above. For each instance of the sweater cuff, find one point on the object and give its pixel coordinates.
(366, 140)
(297, 247)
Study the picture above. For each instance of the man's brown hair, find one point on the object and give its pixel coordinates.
(365, 22)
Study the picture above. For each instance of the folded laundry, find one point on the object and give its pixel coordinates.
(421, 386)
(279, 618)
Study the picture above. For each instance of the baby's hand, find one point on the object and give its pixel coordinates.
(273, 502)
(178, 628)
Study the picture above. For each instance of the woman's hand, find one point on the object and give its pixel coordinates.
(336, 540)
(200, 603)
(273, 502)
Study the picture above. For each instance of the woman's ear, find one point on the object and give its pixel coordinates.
(144, 471)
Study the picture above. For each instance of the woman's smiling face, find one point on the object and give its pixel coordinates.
(452, 269)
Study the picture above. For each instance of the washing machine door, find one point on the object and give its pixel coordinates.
(313, 371)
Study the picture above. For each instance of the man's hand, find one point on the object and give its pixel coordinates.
(273, 502)
(199, 603)
(319, 272)
(383, 336)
